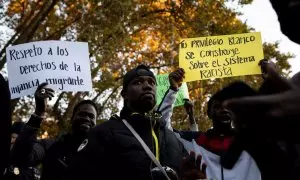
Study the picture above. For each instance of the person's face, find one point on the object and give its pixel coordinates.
(140, 94)
(221, 116)
(14, 136)
(84, 118)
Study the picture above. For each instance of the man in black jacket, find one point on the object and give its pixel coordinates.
(114, 153)
(53, 154)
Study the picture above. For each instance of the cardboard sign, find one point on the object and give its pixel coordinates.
(65, 66)
(163, 85)
(221, 56)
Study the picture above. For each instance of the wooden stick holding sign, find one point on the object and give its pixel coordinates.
(220, 56)
(65, 66)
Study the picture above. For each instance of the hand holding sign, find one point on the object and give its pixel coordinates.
(41, 95)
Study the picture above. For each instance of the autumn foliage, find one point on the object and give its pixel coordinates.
(122, 34)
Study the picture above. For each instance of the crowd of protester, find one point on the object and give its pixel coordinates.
(254, 134)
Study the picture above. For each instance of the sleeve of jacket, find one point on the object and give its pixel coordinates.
(95, 159)
(166, 107)
(29, 151)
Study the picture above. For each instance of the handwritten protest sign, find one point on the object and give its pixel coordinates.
(163, 85)
(220, 56)
(65, 66)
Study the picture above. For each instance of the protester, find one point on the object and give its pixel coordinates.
(166, 107)
(5, 124)
(53, 154)
(113, 151)
(213, 144)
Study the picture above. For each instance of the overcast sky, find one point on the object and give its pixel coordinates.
(261, 16)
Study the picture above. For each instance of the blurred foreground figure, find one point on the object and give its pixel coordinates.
(268, 126)
(275, 114)
(5, 124)
(287, 12)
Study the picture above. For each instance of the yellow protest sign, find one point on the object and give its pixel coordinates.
(220, 56)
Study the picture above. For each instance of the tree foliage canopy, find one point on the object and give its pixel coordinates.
(122, 34)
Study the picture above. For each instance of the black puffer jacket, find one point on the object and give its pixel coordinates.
(113, 152)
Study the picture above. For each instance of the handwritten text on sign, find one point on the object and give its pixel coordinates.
(220, 56)
(63, 65)
(163, 85)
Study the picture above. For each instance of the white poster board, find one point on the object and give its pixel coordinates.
(65, 66)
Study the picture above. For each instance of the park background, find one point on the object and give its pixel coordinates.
(124, 33)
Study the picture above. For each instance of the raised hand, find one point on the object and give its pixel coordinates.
(41, 95)
(267, 67)
(176, 78)
(272, 78)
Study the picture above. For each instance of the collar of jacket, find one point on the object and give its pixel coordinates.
(142, 123)
(152, 118)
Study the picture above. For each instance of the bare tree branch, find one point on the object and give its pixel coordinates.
(29, 30)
